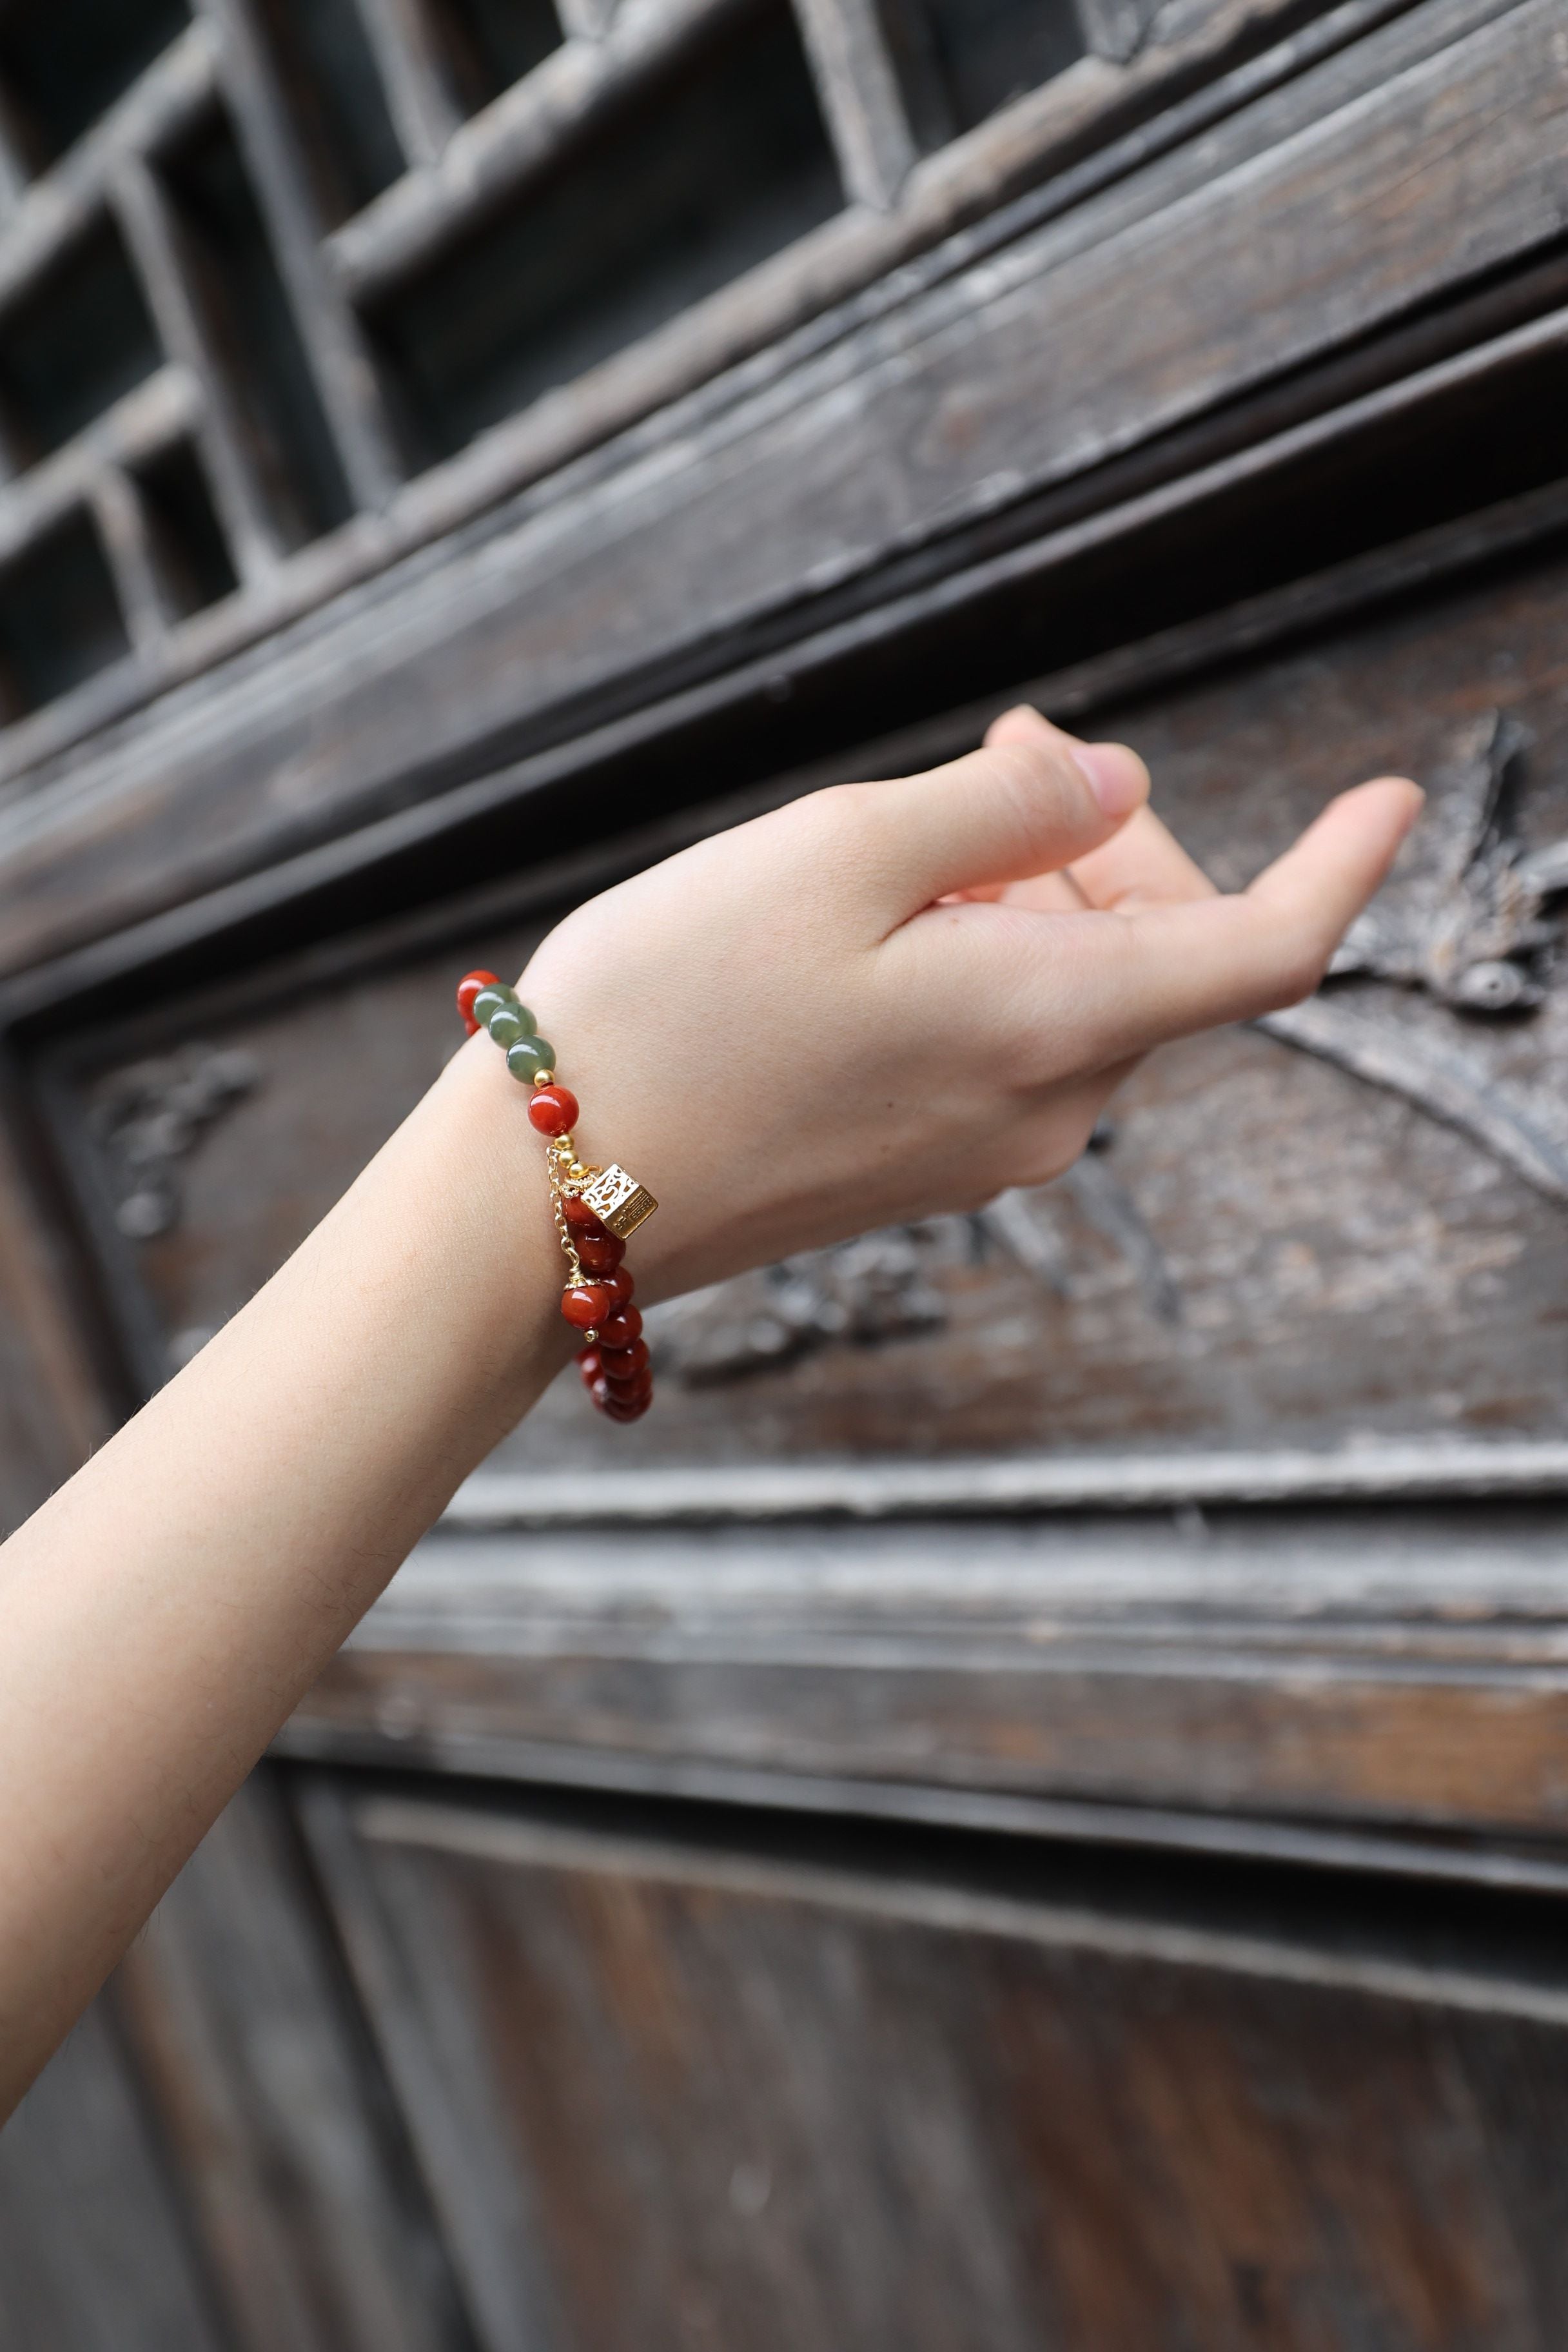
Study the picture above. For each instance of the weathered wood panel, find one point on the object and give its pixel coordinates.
(828, 2105)
(313, 2224)
(1211, 271)
(94, 2253)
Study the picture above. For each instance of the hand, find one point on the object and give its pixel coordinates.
(892, 1000)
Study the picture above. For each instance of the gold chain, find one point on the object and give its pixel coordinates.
(567, 1175)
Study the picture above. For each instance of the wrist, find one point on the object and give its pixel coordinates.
(498, 1265)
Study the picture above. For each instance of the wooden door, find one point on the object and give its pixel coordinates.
(1025, 1805)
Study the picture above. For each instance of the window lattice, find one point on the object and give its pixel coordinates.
(287, 286)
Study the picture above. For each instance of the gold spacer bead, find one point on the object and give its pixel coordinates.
(543, 1078)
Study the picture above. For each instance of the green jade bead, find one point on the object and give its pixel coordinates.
(509, 1023)
(528, 1057)
(493, 1000)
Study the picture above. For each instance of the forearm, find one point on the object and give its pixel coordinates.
(165, 1611)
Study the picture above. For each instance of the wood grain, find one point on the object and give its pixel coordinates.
(314, 2227)
(1335, 1667)
(860, 96)
(823, 2105)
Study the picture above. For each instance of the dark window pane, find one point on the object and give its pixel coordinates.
(324, 61)
(987, 52)
(74, 343)
(187, 542)
(253, 328)
(59, 618)
(490, 44)
(63, 61)
(720, 162)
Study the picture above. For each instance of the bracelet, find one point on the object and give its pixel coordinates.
(595, 1208)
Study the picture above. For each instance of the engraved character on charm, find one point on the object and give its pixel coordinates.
(618, 1201)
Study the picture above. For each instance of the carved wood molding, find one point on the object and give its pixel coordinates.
(879, 1286)
(1403, 1667)
(1466, 922)
(149, 1117)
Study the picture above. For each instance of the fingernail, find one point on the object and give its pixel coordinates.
(1117, 776)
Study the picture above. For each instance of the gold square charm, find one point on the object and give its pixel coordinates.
(618, 1201)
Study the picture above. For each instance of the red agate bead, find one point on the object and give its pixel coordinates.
(620, 1287)
(629, 1408)
(620, 1364)
(587, 1304)
(580, 1216)
(588, 1366)
(469, 988)
(598, 1253)
(553, 1111)
(620, 1327)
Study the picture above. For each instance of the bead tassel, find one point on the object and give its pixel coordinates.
(613, 1365)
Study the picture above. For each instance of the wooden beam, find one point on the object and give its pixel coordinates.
(191, 929)
(1086, 686)
(860, 96)
(1116, 28)
(122, 521)
(520, 132)
(141, 425)
(334, 347)
(423, 110)
(142, 211)
(1404, 1665)
(1413, 1470)
(54, 210)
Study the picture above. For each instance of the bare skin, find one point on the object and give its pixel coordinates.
(883, 1002)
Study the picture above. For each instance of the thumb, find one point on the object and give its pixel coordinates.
(1016, 808)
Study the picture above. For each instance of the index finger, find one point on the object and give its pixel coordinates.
(1143, 864)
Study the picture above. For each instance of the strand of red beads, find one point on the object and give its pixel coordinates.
(597, 1297)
